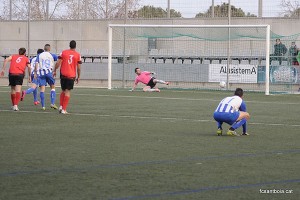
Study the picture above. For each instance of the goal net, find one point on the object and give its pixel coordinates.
(198, 57)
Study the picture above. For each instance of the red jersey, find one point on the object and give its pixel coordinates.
(18, 64)
(70, 60)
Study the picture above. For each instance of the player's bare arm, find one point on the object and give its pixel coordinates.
(29, 72)
(4, 65)
(78, 73)
(57, 65)
(133, 87)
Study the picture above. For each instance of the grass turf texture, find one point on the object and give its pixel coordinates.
(133, 145)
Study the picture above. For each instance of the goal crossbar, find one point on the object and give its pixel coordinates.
(185, 26)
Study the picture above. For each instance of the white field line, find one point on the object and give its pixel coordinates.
(173, 98)
(147, 117)
(184, 99)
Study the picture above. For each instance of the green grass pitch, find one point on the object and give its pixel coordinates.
(134, 145)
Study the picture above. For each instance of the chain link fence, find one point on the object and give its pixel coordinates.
(133, 9)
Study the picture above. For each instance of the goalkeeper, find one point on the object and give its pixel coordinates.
(232, 110)
(146, 78)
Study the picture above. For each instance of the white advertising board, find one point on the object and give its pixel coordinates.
(237, 73)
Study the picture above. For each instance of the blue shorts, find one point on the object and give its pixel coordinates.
(47, 78)
(35, 81)
(226, 117)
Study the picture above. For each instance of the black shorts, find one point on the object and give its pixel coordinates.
(15, 79)
(66, 83)
(151, 83)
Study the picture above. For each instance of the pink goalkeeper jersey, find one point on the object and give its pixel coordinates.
(144, 77)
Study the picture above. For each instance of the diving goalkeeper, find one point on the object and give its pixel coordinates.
(146, 78)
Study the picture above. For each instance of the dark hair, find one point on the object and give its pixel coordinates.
(135, 70)
(73, 44)
(277, 40)
(47, 47)
(239, 92)
(40, 51)
(22, 51)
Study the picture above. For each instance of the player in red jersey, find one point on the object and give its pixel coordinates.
(18, 64)
(69, 62)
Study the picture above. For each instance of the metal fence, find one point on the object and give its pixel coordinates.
(129, 9)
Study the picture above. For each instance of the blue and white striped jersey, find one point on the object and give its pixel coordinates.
(231, 104)
(32, 65)
(46, 62)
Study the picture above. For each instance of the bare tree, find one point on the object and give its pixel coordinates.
(99, 9)
(68, 9)
(290, 8)
(19, 10)
(38, 10)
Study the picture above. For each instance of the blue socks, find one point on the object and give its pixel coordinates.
(238, 124)
(30, 90)
(34, 94)
(42, 96)
(52, 96)
(33, 91)
(219, 125)
(245, 128)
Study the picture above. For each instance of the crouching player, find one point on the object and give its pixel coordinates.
(232, 110)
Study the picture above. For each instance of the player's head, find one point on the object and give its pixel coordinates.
(22, 51)
(47, 47)
(73, 44)
(40, 51)
(239, 92)
(137, 71)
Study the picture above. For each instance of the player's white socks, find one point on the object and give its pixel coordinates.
(161, 81)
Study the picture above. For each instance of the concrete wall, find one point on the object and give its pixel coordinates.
(93, 34)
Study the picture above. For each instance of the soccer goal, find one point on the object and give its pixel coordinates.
(196, 56)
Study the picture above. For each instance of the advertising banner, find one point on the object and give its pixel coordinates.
(279, 74)
(237, 73)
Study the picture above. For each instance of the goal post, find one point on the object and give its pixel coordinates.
(191, 56)
(267, 90)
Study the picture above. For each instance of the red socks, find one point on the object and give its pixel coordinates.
(18, 98)
(13, 99)
(61, 98)
(64, 100)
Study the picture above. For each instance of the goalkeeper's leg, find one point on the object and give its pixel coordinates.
(149, 89)
(160, 81)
